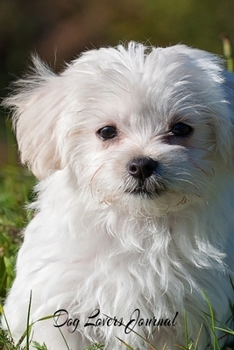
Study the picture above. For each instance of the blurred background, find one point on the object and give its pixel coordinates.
(58, 30)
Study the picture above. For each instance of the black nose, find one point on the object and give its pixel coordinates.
(141, 168)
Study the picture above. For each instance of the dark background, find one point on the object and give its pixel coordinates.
(58, 30)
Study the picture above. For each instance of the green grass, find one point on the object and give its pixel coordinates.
(6, 342)
(15, 192)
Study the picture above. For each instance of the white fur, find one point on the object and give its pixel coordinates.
(92, 245)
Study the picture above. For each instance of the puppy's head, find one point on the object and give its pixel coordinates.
(137, 127)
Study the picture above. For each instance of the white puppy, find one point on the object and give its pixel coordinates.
(134, 149)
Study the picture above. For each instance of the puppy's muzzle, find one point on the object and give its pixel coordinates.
(145, 177)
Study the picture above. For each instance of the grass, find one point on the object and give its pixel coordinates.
(15, 191)
(6, 341)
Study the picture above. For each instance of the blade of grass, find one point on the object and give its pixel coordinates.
(198, 337)
(123, 342)
(226, 330)
(29, 327)
(132, 330)
(212, 325)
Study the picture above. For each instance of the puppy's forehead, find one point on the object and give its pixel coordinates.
(135, 82)
(134, 65)
(131, 72)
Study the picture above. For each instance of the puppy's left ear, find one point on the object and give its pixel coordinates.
(37, 105)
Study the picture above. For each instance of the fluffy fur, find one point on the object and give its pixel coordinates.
(103, 237)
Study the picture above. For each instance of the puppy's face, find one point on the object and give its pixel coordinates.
(142, 131)
(147, 134)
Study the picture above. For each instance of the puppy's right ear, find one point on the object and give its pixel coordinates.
(36, 105)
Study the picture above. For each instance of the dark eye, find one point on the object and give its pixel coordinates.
(107, 133)
(181, 130)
